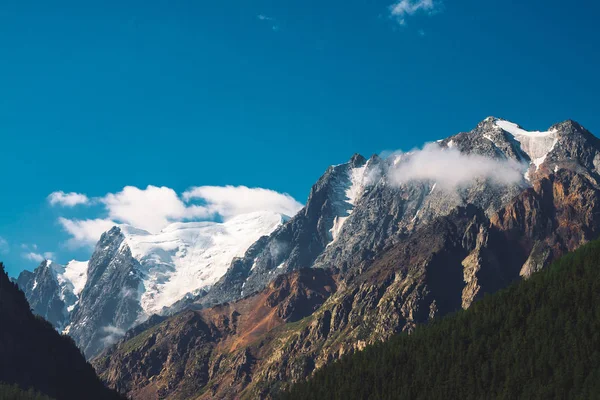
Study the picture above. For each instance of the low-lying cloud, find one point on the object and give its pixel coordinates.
(113, 334)
(451, 169)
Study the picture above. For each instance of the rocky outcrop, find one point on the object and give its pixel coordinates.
(42, 289)
(108, 305)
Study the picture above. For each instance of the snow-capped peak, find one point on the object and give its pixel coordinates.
(188, 256)
(71, 279)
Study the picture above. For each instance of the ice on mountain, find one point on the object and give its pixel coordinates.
(537, 145)
(351, 189)
(76, 273)
(188, 256)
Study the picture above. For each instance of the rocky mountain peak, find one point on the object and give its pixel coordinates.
(357, 160)
(48, 301)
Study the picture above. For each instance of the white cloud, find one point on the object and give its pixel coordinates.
(37, 257)
(403, 8)
(113, 334)
(30, 252)
(273, 22)
(153, 208)
(4, 247)
(33, 257)
(451, 169)
(150, 209)
(229, 201)
(85, 232)
(263, 17)
(67, 199)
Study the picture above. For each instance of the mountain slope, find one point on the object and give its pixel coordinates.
(408, 251)
(191, 348)
(537, 340)
(34, 355)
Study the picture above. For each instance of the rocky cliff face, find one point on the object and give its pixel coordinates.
(53, 290)
(46, 302)
(109, 303)
(298, 242)
(389, 254)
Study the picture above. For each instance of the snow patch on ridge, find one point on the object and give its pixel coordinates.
(66, 287)
(353, 189)
(537, 145)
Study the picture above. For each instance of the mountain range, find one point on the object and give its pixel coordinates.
(134, 274)
(382, 245)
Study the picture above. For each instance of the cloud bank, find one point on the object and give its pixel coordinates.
(450, 169)
(37, 257)
(153, 208)
(229, 201)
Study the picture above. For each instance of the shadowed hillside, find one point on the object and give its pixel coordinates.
(34, 356)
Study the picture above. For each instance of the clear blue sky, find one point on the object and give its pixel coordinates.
(97, 95)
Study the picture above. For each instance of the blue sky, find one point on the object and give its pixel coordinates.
(97, 96)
